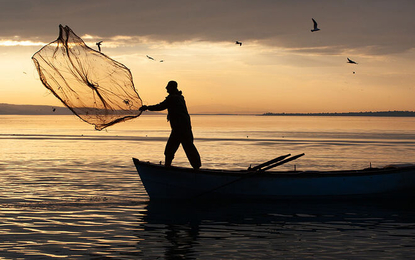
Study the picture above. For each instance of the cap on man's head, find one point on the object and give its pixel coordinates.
(171, 85)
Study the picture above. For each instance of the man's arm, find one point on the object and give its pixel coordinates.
(159, 107)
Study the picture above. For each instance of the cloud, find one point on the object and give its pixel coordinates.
(372, 27)
(10, 43)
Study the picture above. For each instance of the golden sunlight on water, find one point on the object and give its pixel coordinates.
(70, 191)
(223, 141)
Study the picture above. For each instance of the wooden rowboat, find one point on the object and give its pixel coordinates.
(160, 182)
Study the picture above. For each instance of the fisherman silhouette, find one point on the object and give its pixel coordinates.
(181, 129)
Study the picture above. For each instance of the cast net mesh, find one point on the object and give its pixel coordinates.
(93, 86)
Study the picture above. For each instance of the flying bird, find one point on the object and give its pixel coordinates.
(351, 61)
(151, 58)
(238, 42)
(161, 60)
(315, 29)
(99, 45)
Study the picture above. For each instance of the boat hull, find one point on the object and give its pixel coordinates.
(183, 183)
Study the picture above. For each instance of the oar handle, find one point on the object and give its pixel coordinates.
(258, 167)
(282, 162)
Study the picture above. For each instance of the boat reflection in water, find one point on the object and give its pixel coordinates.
(289, 230)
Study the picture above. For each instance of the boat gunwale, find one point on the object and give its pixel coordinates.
(273, 174)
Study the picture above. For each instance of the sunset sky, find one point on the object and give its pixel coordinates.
(281, 66)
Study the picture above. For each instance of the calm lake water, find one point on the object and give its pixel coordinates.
(68, 191)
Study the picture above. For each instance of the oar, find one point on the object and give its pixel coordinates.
(258, 167)
(282, 162)
(250, 174)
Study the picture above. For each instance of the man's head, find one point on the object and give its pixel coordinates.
(171, 87)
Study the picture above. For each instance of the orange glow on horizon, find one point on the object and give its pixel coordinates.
(227, 78)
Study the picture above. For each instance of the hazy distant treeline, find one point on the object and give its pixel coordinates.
(10, 109)
(379, 113)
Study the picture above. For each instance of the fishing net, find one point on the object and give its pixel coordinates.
(96, 88)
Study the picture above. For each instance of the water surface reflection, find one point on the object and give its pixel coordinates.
(278, 230)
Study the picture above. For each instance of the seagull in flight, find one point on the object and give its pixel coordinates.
(151, 58)
(315, 29)
(99, 45)
(238, 42)
(351, 61)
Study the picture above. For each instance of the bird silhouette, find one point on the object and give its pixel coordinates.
(151, 58)
(351, 61)
(315, 29)
(238, 42)
(99, 45)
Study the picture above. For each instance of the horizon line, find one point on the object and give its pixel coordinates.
(19, 110)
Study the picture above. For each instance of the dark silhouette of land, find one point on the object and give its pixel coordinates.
(370, 113)
(11, 109)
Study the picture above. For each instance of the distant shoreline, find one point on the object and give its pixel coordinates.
(376, 114)
(11, 109)
(38, 110)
